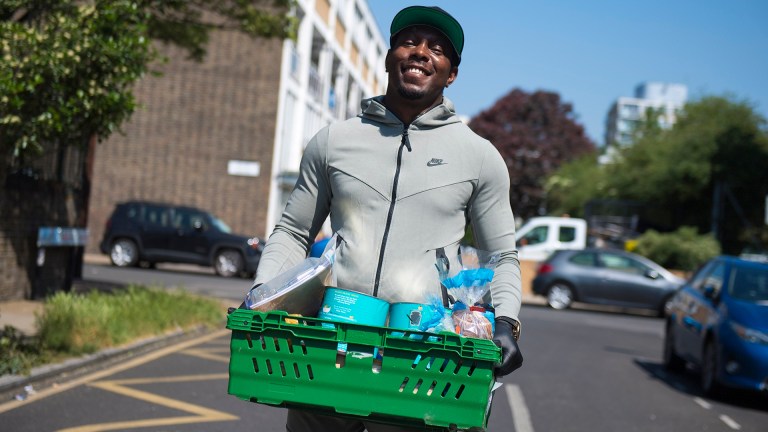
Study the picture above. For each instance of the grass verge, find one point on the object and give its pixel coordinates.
(83, 323)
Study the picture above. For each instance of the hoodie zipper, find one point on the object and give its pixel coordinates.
(404, 142)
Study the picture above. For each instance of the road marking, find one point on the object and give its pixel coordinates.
(521, 417)
(704, 404)
(209, 354)
(730, 422)
(202, 414)
(113, 370)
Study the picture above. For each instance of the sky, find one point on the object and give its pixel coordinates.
(591, 52)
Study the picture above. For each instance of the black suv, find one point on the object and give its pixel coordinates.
(146, 233)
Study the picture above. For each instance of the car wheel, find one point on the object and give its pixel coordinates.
(560, 296)
(124, 253)
(672, 361)
(709, 370)
(228, 263)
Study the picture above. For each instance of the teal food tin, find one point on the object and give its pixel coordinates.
(353, 307)
(409, 316)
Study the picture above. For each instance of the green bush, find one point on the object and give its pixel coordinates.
(684, 249)
(77, 324)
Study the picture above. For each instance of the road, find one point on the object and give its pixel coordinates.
(584, 370)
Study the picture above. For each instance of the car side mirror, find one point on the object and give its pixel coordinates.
(652, 274)
(711, 293)
(197, 225)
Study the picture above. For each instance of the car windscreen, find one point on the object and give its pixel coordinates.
(750, 284)
(220, 225)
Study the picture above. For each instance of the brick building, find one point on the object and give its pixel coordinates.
(227, 134)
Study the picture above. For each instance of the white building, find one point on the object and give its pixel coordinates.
(337, 60)
(627, 112)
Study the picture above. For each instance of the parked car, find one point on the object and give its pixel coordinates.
(718, 322)
(605, 277)
(149, 233)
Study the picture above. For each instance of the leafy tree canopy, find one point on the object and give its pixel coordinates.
(535, 133)
(68, 66)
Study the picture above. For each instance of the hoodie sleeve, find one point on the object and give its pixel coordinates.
(304, 214)
(493, 226)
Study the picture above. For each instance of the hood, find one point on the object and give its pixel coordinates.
(441, 115)
(752, 315)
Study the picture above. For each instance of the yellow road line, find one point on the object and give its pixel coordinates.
(107, 372)
(202, 414)
(209, 354)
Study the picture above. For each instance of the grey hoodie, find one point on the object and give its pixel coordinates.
(395, 195)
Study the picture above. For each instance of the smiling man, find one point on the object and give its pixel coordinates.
(400, 183)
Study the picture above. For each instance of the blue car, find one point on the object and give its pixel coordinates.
(718, 321)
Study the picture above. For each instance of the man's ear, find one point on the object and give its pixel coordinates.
(386, 60)
(452, 77)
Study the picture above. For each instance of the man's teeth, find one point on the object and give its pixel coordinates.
(415, 70)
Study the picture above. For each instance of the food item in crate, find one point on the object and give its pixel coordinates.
(472, 322)
(353, 307)
(298, 290)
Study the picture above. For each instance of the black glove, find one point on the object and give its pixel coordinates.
(504, 336)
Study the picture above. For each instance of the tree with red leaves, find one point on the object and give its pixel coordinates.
(535, 134)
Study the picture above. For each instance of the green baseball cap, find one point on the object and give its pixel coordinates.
(431, 16)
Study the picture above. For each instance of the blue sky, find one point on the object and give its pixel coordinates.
(592, 52)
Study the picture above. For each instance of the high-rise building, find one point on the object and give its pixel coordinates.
(227, 134)
(662, 99)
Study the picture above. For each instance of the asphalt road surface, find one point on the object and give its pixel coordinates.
(584, 370)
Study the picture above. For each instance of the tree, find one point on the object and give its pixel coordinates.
(535, 133)
(69, 66)
(66, 80)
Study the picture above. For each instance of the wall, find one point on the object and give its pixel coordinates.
(193, 120)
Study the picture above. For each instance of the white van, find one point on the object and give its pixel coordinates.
(541, 236)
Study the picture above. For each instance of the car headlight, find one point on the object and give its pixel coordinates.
(750, 335)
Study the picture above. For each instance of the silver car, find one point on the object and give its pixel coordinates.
(605, 277)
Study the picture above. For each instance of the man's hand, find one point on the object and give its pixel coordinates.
(506, 334)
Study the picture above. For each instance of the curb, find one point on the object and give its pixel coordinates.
(13, 386)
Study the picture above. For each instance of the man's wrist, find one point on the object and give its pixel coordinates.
(515, 324)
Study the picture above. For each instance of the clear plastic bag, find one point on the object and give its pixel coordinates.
(298, 290)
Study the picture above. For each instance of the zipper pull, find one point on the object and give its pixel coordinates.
(405, 141)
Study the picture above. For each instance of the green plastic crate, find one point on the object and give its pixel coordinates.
(422, 380)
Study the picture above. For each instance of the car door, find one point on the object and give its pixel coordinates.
(628, 282)
(698, 310)
(156, 231)
(190, 242)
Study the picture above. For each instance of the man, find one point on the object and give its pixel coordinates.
(400, 182)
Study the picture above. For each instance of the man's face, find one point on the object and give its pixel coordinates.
(419, 63)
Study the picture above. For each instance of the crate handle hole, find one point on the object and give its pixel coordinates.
(404, 383)
(255, 365)
(282, 368)
(461, 390)
(472, 369)
(277, 344)
(296, 370)
(429, 363)
(303, 347)
(290, 345)
(269, 367)
(263, 342)
(309, 372)
(445, 390)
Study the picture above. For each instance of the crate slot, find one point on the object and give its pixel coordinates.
(472, 369)
(404, 383)
(290, 345)
(263, 342)
(445, 390)
(269, 367)
(296, 370)
(458, 366)
(255, 365)
(303, 347)
(309, 372)
(461, 390)
(277, 344)
(416, 361)
(429, 363)
(417, 386)
(431, 388)
(282, 368)
(248, 339)
(444, 365)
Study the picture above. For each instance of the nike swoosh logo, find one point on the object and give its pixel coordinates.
(435, 162)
